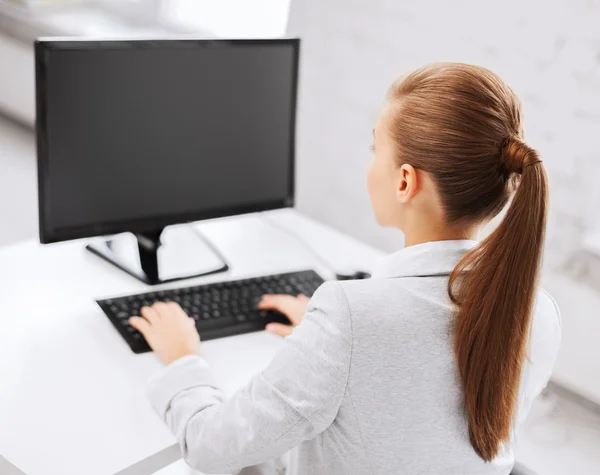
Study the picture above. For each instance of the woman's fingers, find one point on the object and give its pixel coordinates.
(281, 303)
(292, 307)
(162, 309)
(149, 313)
(140, 324)
(175, 309)
(279, 329)
(270, 302)
(168, 331)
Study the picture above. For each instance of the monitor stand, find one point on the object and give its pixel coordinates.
(172, 253)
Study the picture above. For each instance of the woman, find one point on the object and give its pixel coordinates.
(428, 367)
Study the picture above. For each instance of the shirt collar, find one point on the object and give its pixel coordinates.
(434, 258)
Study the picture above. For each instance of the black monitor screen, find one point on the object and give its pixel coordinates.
(135, 135)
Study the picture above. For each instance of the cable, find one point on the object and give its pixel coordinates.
(211, 246)
(324, 262)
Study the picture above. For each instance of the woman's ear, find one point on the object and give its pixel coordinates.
(408, 183)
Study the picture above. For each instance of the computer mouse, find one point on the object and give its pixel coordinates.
(352, 275)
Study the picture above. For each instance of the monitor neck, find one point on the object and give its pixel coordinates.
(148, 244)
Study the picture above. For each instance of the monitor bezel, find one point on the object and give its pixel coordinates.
(49, 234)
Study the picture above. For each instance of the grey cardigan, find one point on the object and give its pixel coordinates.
(366, 384)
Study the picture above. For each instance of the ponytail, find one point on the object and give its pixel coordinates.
(461, 124)
(494, 288)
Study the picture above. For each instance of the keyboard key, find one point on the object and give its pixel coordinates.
(254, 316)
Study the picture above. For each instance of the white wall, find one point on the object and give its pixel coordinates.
(230, 18)
(17, 80)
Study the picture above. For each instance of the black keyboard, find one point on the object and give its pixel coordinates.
(220, 309)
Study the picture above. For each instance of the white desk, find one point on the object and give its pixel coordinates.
(72, 399)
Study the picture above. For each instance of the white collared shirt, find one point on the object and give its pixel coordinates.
(367, 384)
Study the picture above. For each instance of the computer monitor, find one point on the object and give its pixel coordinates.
(137, 135)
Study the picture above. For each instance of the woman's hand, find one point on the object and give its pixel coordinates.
(168, 331)
(292, 307)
